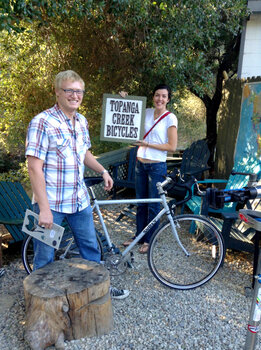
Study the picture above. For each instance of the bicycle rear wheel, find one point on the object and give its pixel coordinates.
(172, 267)
(67, 250)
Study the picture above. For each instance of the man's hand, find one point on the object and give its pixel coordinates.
(46, 219)
(108, 182)
(93, 164)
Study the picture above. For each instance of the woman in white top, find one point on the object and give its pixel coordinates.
(151, 164)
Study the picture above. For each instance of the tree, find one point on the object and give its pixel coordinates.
(134, 44)
(25, 85)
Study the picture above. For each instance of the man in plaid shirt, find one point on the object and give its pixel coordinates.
(57, 151)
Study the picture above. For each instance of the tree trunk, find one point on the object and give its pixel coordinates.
(227, 63)
(68, 299)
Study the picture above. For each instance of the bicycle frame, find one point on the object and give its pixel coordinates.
(165, 210)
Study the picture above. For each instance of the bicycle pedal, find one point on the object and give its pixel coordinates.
(132, 257)
(131, 261)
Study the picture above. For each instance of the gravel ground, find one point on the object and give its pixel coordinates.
(212, 317)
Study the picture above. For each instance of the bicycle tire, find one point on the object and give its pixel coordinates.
(28, 251)
(168, 262)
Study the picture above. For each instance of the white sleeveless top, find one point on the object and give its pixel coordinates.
(158, 135)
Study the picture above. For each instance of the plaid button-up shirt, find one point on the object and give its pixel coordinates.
(51, 137)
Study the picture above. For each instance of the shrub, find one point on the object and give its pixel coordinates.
(19, 175)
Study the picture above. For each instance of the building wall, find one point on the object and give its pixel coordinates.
(228, 125)
(250, 48)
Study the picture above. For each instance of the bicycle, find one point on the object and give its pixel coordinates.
(185, 252)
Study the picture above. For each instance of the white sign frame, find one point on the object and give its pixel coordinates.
(123, 118)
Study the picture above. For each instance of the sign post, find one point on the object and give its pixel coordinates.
(122, 118)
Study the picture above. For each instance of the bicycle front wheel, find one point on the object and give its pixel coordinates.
(169, 263)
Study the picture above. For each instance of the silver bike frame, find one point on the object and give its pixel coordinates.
(165, 210)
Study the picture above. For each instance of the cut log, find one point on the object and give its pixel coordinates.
(68, 299)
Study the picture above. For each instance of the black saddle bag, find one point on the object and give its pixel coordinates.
(180, 186)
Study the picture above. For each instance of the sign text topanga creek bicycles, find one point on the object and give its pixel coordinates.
(123, 118)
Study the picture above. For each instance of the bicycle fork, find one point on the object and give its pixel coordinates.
(175, 233)
(170, 218)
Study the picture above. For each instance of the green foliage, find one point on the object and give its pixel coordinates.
(26, 84)
(19, 175)
(14, 12)
(189, 38)
(7, 160)
(113, 45)
(191, 115)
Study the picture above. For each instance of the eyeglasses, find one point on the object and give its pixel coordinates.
(71, 92)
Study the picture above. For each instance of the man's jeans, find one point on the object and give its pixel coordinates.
(146, 177)
(82, 226)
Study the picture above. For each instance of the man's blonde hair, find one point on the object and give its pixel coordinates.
(67, 75)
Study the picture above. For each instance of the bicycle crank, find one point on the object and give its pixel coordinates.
(115, 264)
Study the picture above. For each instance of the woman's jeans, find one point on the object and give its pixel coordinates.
(146, 177)
(82, 226)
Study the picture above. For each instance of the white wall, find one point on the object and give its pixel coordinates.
(250, 50)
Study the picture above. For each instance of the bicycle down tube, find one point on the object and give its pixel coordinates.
(97, 203)
(165, 210)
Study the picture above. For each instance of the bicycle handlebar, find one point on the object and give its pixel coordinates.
(215, 198)
(175, 180)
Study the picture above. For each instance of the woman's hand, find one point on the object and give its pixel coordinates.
(141, 143)
(170, 146)
(123, 94)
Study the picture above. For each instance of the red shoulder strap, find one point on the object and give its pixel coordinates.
(163, 116)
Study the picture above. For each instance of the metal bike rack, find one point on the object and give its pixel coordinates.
(253, 219)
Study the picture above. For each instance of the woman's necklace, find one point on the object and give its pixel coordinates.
(158, 114)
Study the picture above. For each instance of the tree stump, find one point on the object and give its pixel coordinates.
(68, 299)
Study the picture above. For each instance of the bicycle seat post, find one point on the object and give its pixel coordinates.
(92, 194)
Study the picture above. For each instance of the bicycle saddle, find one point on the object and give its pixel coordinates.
(92, 180)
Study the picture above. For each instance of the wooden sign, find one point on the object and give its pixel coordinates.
(122, 118)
